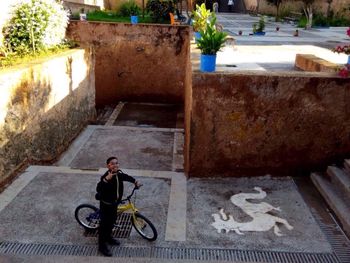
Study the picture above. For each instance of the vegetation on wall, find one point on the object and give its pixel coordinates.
(35, 28)
(159, 9)
(129, 8)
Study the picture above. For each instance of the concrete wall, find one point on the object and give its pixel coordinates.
(320, 6)
(251, 124)
(143, 62)
(77, 8)
(43, 107)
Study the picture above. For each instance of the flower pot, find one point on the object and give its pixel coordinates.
(208, 63)
(240, 32)
(259, 33)
(197, 36)
(134, 19)
(82, 17)
(348, 60)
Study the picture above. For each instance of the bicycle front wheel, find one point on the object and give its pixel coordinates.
(144, 227)
(88, 216)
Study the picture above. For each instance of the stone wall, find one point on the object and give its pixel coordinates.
(320, 6)
(43, 107)
(77, 8)
(143, 62)
(252, 124)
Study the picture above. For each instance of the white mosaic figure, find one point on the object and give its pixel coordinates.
(262, 221)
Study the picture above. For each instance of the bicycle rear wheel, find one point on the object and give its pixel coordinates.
(144, 227)
(88, 216)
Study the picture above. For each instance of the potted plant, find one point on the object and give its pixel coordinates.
(210, 43)
(258, 29)
(201, 17)
(134, 12)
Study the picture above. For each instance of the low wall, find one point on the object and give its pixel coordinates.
(143, 62)
(77, 8)
(252, 124)
(43, 107)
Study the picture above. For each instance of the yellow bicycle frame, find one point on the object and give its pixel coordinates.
(126, 207)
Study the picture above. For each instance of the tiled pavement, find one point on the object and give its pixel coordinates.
(37, 211)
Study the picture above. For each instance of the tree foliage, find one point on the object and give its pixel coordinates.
(35, 25)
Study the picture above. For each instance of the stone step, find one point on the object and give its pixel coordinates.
(347, 165)
(335, 201)
(340, 179)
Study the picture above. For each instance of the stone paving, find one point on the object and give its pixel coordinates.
(277, 49)
(38, 208)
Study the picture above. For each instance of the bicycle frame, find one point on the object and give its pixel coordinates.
(129, 206)
(126, 207)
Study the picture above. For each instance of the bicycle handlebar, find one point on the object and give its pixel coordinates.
(132, 193)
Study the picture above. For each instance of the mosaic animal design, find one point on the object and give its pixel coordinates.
(262, 221)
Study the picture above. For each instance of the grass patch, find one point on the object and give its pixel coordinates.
(12, 59)
(110, 16)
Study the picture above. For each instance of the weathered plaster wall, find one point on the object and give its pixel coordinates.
(251, 124)
(142, 62)
(43, 106)
(320, 5)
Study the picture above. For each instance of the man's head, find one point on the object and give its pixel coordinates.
(112, 164)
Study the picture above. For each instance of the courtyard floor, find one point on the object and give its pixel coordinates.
(260, 219)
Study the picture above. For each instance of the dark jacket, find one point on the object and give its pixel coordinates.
(111, 192)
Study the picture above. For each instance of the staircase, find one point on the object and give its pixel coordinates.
(334, 186)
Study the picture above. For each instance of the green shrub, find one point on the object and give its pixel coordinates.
(159, 10)
(211, 40)
(201, 17)
(129, 8)
(34, 26)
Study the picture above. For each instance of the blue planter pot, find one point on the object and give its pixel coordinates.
(197, 36)
(208, 63)
(134, 19)
(259, 33)
(348, 60)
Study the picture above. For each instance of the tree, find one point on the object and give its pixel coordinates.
(277, 4)
(308, 11)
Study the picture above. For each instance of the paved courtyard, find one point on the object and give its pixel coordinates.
(277, 49)
(261, 219)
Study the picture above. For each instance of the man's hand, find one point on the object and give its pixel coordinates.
(137, 184)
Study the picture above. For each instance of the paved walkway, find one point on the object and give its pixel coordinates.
(259, 219)
(277, 49)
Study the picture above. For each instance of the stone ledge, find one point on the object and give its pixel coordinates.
(308, 62)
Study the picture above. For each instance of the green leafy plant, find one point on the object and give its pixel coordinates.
(211, 40)
(159, 10)
(34, 26)
(260, 26)
(129, 8)
(201, 17)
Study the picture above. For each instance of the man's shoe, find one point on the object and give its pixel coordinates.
(113, 241)
(105, 251)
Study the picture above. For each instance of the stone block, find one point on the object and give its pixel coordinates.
(308, 62)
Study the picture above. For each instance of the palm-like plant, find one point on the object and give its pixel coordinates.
(211, 40)
(201, 17)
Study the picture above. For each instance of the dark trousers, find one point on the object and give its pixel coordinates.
(108, 215)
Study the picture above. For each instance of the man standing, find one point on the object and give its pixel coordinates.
(230, 5)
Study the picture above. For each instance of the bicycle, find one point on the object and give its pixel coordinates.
(88, 216)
